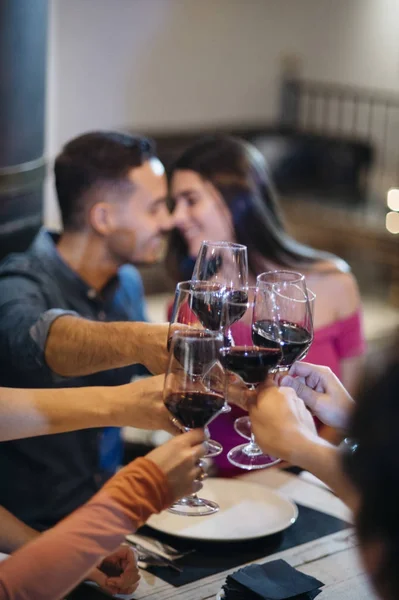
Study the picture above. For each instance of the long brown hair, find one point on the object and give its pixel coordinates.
(238, 171)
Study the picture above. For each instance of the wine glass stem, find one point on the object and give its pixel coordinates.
(252, 448)
(253, 442)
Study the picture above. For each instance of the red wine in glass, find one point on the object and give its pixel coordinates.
(208, 305)
(294, 339)
(252, 364)
(194, 408)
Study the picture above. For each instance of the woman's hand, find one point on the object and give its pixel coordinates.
(178, 459)
(118, 573)
(322, 392)
(281, 422)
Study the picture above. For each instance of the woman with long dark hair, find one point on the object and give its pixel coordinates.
(221, 190)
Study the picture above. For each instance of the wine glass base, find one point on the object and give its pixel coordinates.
(244, 459)
(213, 449)
(192, 506)
(242, 426)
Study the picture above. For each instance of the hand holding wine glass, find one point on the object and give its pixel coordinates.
(322, 392)
(224, 265)
(197, 308)
(189, 396)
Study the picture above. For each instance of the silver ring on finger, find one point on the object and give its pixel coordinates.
(202, 467)
(177, 424)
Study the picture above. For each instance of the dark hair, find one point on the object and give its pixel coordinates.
(374, 470)
(238, 171)
(93, 160)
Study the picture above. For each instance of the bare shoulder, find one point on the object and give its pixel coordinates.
(337, 283)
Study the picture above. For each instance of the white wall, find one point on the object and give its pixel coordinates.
(151, 64)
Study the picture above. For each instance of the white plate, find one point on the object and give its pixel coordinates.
(247, 511)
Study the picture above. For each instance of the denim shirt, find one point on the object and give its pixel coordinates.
(45, 478)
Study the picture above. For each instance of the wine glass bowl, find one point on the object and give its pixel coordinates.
(222, 262)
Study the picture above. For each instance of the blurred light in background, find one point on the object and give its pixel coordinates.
(392, 222)
(393, 199)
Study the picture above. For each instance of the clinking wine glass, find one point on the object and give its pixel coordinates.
(248, 364)
(294, 308)
(197, 306)
(193, 401)
(224, 264)
(294, 305)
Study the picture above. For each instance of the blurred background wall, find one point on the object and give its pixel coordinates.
(178, 64)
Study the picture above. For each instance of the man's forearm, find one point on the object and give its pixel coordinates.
(27, 413)
(323, 460)
(77, 347)
(13, 532)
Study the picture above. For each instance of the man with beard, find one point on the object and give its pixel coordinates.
(71, 312)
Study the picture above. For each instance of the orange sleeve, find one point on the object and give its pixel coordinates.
(51, 565)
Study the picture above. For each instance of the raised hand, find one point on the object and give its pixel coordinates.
(322, 392)
(281, 422)
(178, 459)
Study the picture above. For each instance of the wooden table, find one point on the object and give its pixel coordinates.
(332, 559)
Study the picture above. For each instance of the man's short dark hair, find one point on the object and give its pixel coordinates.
(93, 160)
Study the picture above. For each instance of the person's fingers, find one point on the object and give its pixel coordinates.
(171, 426)
(317, 377)
(193, 437)
(301, 369)
(199, 473)
(308, 395)
(198, 452)
(98, 577)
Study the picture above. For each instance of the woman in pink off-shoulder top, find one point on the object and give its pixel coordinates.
(221, 190)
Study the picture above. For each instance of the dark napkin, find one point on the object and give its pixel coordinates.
(275, 580)
(210, 558)
(87, 592)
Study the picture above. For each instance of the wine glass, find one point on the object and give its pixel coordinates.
(222, 262)
(294, 307)
(248, 363)
(193, 401)
(198, 306)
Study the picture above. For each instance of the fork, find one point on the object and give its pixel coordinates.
(162, 546)
(152, 559)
